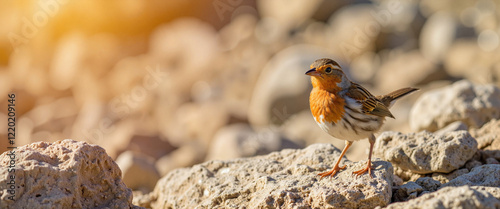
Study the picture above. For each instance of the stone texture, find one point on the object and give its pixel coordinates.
(445, 178)
(286, 179)
(240, 140)
(485, 175)
(425, 152)
(139, 171)
(453, 197)
(428, 184)
(64, 174)
(407, 191)
(488, 136)
(463, 101)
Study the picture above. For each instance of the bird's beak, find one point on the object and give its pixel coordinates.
(313, 72)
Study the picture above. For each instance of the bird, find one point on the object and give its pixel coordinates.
(346, 110)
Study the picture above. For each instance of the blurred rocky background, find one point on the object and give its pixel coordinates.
(168, 84)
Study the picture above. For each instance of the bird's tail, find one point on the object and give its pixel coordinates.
(390, 97)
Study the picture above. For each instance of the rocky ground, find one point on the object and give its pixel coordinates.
(211, 110)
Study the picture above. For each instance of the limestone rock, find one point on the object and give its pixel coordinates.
(485, 175)
(286, 179)
(65, 174)
(463, 101)
(445, 178)
(425, 152)
(488, 136)
(139, 171)
(407, 191)
(428, 184)
(452, 197)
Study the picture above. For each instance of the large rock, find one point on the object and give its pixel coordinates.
(485, 175)
(463, 101)
(286, 179)
(425, 152)
(65, 174)
(454, 197)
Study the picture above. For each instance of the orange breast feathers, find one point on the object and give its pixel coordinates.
(327, 104)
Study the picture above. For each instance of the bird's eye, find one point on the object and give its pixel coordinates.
(328, 70)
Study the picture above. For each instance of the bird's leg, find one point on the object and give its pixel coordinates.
(368, 167)
(337, 168)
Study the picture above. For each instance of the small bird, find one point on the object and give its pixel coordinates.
(346, 110)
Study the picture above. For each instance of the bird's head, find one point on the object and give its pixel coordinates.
(328, 75)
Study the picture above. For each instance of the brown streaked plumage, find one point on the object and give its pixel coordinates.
(345, 109)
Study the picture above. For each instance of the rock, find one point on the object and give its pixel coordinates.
(424, 152)
(240, 140)
(463, 101)
(406, 69)
(286, 179)
(139, 171)
(490, 154)
(491, 160)
(452, 197)
(428, 184)
(438, 33)
(277, 97)
(407, 191)
(485, 175)
(455, 126)
(472, 164)
(184, 156)
(488, 136)
(152, 145)
(141, 199)
(66, 174)
(407, 175)
(445, 178)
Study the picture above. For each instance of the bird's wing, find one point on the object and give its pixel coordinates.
(370, 104)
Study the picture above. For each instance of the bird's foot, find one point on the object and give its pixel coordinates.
(332, 172)
(364, 170)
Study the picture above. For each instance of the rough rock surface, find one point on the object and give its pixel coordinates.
(286, 179)
(485, 175)
(63, 174)
(463, 101)
(454, 197)
(424, 152)
(488, 136)
(407, 191)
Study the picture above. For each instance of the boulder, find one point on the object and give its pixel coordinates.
(64, 174)
(463, 101)
(424, 152)
(286, 179)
